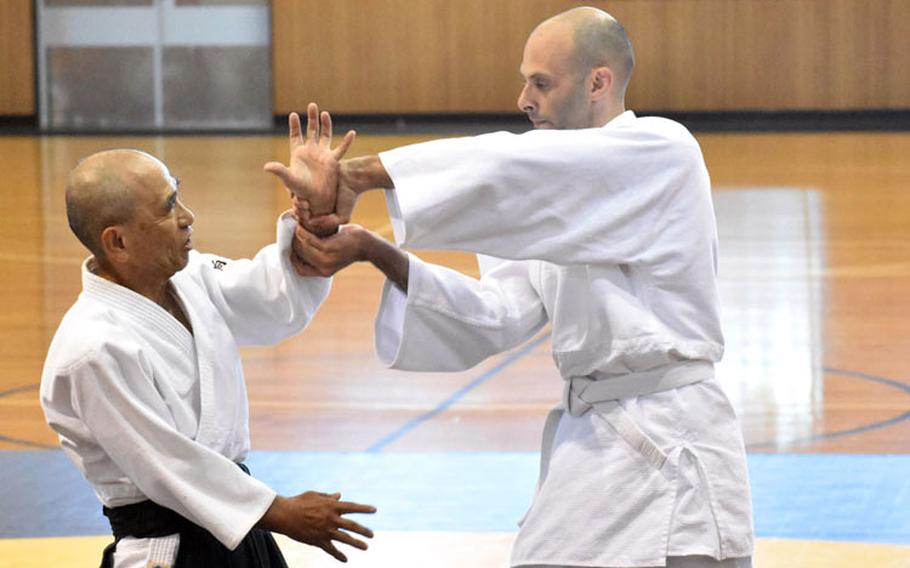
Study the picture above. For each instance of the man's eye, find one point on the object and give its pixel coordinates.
(541, 84)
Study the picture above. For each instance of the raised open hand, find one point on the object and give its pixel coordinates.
(312, 172)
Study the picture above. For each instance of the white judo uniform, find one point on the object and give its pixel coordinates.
(609, 235)
(147, 410)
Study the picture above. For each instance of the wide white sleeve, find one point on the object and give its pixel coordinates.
(263, 300)
(112, 391)
(564, 196)
(448, 321)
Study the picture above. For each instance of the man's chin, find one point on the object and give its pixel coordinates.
(183, 261)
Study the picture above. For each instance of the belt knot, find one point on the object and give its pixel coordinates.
(573, 393)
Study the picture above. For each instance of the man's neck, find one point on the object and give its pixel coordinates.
(153, 288)
(608, 112)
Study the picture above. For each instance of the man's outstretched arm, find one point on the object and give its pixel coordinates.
(314, 256)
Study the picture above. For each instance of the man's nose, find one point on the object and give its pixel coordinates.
(186, 216)
(524, 103)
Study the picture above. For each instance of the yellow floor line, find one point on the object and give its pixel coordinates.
(455, 550)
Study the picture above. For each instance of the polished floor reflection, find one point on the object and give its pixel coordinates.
(815, 284)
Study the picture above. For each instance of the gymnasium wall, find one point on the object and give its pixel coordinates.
(17, 67)
(462, 56)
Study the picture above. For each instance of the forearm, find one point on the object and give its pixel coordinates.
(276, 517)
(363, 174)
(389, 259)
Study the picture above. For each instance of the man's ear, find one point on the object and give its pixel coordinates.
(601, 82)
(114, 244)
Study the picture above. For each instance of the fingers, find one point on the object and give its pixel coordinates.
(350, 507)
(312, 122)
(349, 525)
(344, 537)
(346, 142)
(302, 268)
(294, 138)
(334, 552)
(312, 260)
(319, 130)
(307, 238)
(325, 131)
(301, 208)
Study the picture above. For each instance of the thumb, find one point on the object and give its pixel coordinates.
(346, 142)
(281, 172)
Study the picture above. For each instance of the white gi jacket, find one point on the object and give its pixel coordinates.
(611, 238)
(147, 410)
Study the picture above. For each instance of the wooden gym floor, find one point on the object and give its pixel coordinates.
(815, 282)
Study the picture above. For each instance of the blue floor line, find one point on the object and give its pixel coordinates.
(878, 425)
(23, 388)
(458, 394)
(866, 376)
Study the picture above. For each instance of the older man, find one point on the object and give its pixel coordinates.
(143, 380)
(607, 225)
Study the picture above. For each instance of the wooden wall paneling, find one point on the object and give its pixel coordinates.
(897, 34)
(17, 72)
(761, 60)
(870, 54)
(392, 56)
(397, 56)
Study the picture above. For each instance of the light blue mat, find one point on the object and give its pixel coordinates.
(861, 498)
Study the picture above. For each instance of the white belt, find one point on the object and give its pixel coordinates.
(601, 392)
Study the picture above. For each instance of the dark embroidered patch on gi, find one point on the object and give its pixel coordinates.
(218, 264)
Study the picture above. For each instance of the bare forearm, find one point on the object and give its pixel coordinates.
(275, 517)
(363, 174)
(389, 259)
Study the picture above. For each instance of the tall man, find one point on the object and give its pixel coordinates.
(605, 224)
(143, 380)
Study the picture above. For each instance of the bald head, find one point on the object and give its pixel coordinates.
(599, 40)
(102, 192)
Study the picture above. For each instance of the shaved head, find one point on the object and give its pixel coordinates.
(576, 67)
(600, 40)
(101, 192)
